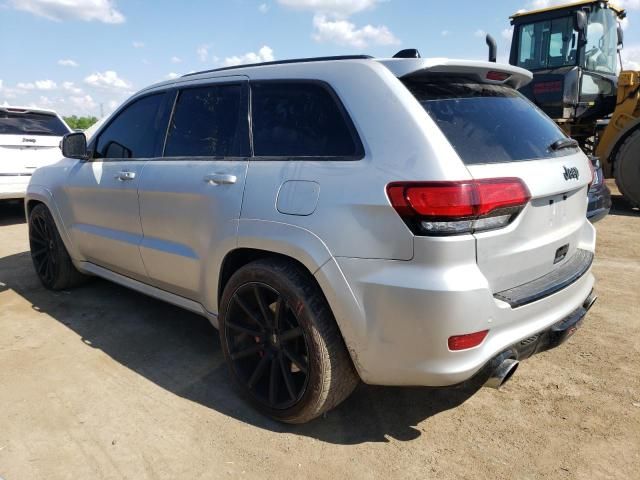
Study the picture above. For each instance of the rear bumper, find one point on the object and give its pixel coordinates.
(552, 337)
(13, 186)
(397, 316)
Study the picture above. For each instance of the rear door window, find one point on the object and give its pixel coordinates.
(210, 121)
(137, 131)
(489, 123)
(31, 123)
(301, 119)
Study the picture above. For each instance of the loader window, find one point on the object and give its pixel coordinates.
(547, 44)
(602, 42)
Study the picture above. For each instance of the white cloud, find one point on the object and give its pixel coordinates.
(203, 52)
(67, 63)
(480, 33)
(265, 54)
(445, 33)
(263, 8)
(137, 44)
(172, 75)
(507, 33)
(343, 32)
(108, 80)
(175, 59)
(336, 8)
(0, 84)
(84, 104)
(71, 87)
(37, 85)
(631, 57)
(45, 84)
(87, 10)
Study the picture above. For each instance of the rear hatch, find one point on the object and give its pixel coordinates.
(499, 134)
(28, 140)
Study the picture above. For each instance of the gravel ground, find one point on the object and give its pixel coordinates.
(102, 382)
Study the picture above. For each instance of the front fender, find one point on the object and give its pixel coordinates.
(41, 194)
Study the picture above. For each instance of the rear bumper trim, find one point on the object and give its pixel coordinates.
(550, 283)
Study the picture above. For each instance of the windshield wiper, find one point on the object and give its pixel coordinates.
(563, 143)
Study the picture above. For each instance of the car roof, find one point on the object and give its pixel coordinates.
(19, 109)
(400, 67)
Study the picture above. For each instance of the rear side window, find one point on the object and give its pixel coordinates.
(31, 123)
(209, 122)
(489, 123)
(137, 131)
(301, 119)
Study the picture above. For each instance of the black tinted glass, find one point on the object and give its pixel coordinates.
(13, 123)
(300, 120)
(136, 131)
(209, 122)
(489, 123)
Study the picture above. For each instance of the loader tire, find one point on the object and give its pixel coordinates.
(627, 168)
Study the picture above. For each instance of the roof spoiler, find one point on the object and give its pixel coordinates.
(481, 72)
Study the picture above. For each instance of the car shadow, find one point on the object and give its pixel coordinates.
(11, 212)
(620, 206)
(180, 352)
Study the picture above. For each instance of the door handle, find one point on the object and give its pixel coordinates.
(125, 175)
(220, 179)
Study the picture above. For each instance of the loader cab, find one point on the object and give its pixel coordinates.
(572, 51)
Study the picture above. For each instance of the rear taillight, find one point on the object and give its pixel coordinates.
(453, 208)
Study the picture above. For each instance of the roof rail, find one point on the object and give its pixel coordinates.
(283, 62)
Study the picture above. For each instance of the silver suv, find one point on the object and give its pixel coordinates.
(395, 221)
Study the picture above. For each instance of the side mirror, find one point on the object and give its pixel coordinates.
(580, 21)
(620, 36)
(74, 145)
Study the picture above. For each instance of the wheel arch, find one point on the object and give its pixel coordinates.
(40, 195)
(262, 238)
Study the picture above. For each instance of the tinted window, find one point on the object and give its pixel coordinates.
(489, 123)
(136, 132)
(209, 121)
(12, 123)
(299, 119)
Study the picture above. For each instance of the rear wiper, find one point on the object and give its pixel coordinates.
(563, 143)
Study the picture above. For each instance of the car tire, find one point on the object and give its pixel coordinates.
(281, 342)
(48, 253)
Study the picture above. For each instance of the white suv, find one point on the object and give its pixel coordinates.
(395, 221)
(29, 139)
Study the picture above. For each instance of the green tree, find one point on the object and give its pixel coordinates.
(80, 123)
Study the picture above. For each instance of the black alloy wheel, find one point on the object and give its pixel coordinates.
(42, 240)
(267, 346)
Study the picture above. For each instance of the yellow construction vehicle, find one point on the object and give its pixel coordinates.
(573, 51)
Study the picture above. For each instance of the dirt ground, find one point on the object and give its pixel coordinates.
(102, 382)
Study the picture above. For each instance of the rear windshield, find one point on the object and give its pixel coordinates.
(489, 123)
(12, 123)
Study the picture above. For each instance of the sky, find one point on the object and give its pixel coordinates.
(85, 57)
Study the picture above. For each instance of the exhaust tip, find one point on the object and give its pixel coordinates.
(502, 373)
(588, 303)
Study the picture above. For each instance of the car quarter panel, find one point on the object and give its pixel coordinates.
(353, 216)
